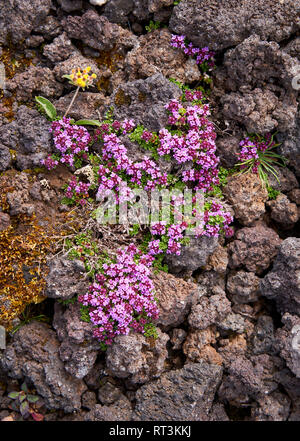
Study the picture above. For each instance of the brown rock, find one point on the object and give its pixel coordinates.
(153, 55)
(243, 286)
(174, 299)
(209, 311)
(284, 212)
(4, 221)
(198, 346)
(137, 358)
(247, 196)
(254, 248)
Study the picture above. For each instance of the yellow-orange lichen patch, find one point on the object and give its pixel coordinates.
(22, 268)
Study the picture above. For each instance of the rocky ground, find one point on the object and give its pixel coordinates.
(229, 326)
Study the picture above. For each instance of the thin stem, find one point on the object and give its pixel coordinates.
(72, 102)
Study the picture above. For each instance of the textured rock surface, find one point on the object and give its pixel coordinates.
(65, 280)
(193, 256)
(137, 358)
(20, 17)
(96, 31)
(198, 347)
(243, 286)
(209, 311)
(144, 101)
(29, 136)
(254, 248)
(224, 23)
(181, 395)
(174, 297)
(33, 356)
(153, 55)
(119, 411)
(247, 197)
(284, 212)
(78, 349)
(35, 81)
(283, 283)
(288, 342)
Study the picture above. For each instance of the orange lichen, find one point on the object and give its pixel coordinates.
(121, 99)
(22, 262)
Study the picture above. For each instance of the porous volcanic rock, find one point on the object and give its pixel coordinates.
(181, 395)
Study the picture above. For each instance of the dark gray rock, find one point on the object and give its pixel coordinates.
(209, 311)
(121, 410)
(78, 349)
(32, 355)
(109, 394)
(5, 158)
(290, 147)
(263, 338)
(144, 101)
(70, 5)
(193, 256)
(64, 279)
(225, 23)
(274, 407)
(282, 284)
(243, 286)
(181, 395)
(19, 17)
(288, 342)
(29, 136)
(60, 49)
(97, 32)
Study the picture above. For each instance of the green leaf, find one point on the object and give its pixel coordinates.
(13, 395)
(32, 398)
(24, 388)
(88, 122)
(24, 408)
(47, 107)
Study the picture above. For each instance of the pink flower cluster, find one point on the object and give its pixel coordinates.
(145, 172)
(69, 140)
(196, 143)
(212, 221)
(202, 55)
(77, 189)
(251, 148)
(122, 298)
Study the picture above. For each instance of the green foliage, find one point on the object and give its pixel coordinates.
(265, 161)
(152, 26)
(67, 302)
(272, 193)
(88, 122)
(46, 107)
(135, 229)
(84, 313)
(23, 401)
(150, 330)
(27, 317)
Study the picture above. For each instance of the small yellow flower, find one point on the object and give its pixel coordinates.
(94, 75)
(88, 68)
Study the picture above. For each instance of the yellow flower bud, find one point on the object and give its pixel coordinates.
(94, 75)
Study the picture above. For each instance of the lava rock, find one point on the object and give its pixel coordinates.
(282, 283)
(181, 395)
